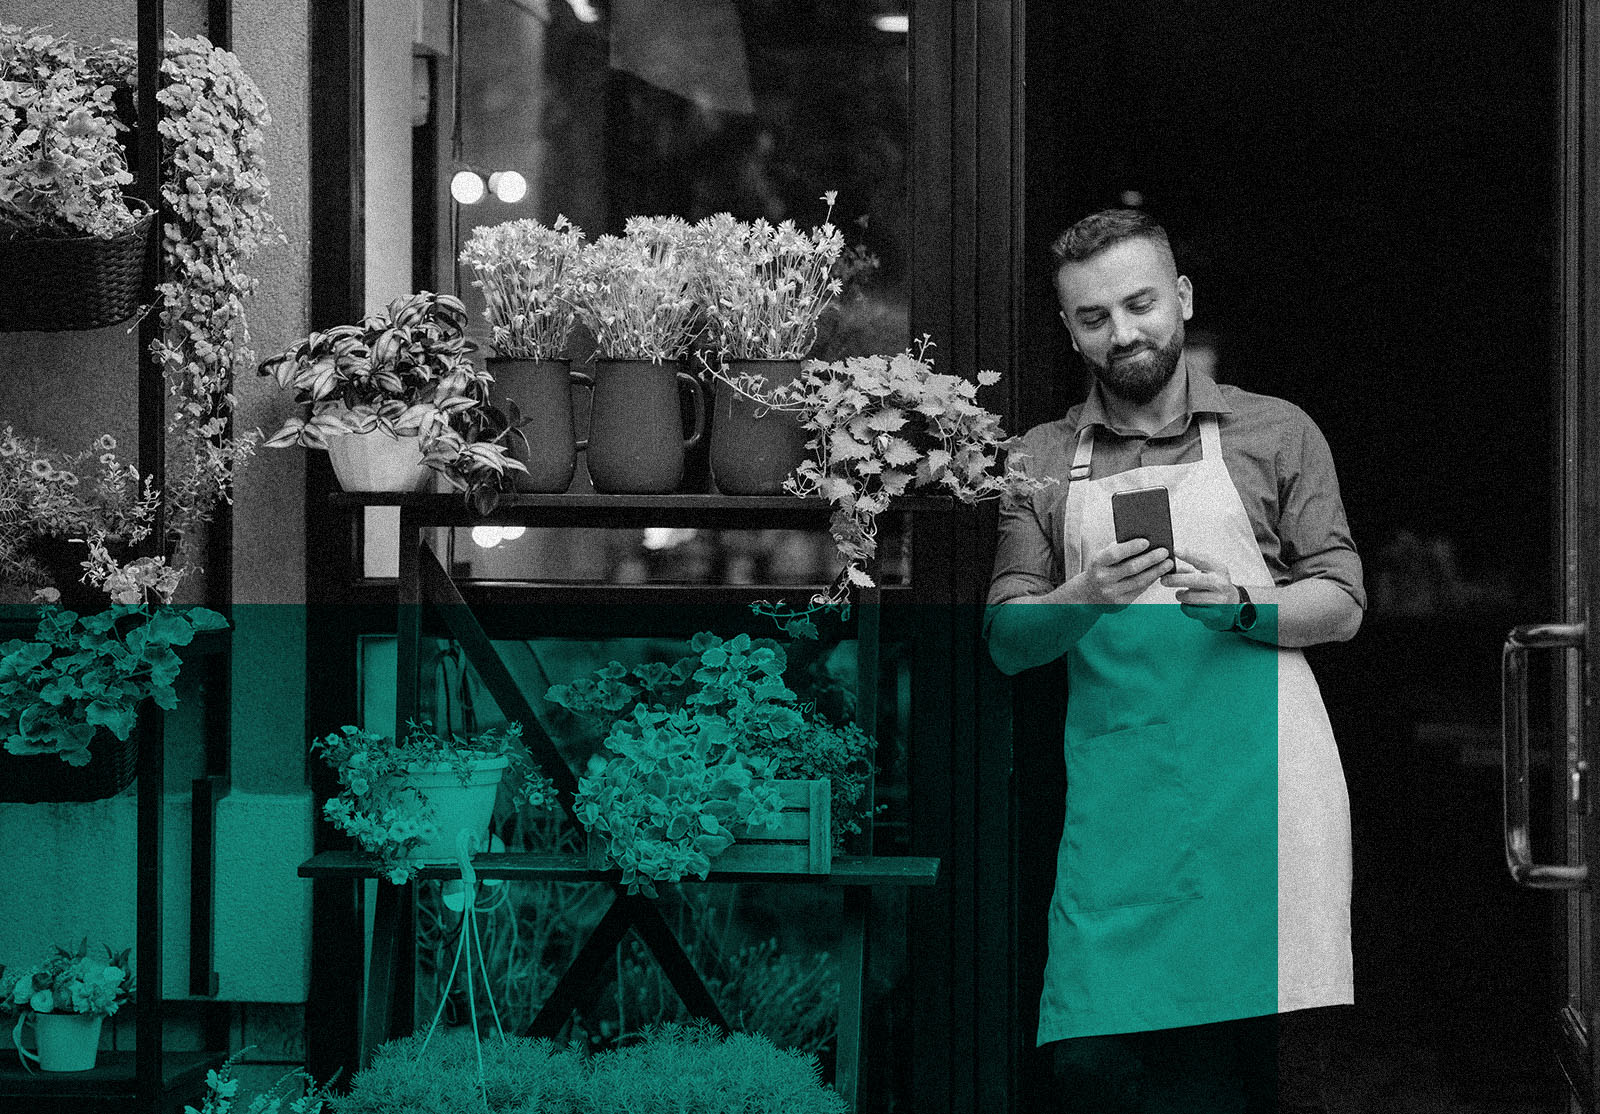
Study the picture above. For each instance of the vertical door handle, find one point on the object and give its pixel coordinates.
(1514, 740)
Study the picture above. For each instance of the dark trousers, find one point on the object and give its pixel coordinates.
(1259, 1065)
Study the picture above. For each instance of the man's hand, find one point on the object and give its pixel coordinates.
(1207, 593)
(1119, 574)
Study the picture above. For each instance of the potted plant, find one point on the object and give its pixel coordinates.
(73, 690)
(406, 801)
(386, 399)
(882, 427)
(751, 718)
(634, 293)
(671, 1067)
(762, 288)
(222, 1092)
(73, 250)
(525, 271)
(67, 997)
(52, 502)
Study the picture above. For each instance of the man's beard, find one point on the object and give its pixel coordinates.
(1139, 381)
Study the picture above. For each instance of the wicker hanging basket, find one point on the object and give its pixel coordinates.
(82, 282)
(36, 778)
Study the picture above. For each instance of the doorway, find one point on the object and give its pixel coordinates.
(1364, 195)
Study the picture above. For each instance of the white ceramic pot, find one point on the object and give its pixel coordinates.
(67, 1041)
(377, 462)
(455, 807)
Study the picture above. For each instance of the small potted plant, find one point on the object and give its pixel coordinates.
(634, 293)
(525, 271)
(73, 249)
(882, 427)
(73, 690)
(386, 398)
(406, 801)
(724, 701)
(762, 288)
(67, 997)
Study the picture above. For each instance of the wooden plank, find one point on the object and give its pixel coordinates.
(523, 866)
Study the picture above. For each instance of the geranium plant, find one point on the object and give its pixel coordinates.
(389, 818)
(404, 371)
(882, 427)
(526, 273)
(82, 674)
(70, 982)
(764, 287)
(634, 292)
(739, 681)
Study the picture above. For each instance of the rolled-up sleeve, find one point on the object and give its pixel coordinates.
(1026, 563)
(1312, 530)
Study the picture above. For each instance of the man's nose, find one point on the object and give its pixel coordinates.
(1124, 331)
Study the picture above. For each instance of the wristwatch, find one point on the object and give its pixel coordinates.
(1245, 618)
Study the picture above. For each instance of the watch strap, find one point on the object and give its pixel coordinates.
(1245, 617)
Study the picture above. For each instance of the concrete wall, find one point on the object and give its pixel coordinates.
(72, 866)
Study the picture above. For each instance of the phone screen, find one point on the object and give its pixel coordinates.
(1144, 513)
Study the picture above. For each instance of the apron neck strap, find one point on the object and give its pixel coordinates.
(1210, 439)
(1083, 454)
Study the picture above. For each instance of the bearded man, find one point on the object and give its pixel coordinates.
(1199, 932)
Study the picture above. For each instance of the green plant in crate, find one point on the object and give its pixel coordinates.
(375, 803)
(740, 681)
(80, 674)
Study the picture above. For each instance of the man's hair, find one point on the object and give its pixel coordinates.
(1099, 231)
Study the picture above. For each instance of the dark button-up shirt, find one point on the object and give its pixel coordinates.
(1276, 456)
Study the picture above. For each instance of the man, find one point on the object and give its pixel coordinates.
(1200, 926)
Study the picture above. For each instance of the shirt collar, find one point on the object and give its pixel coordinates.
(1203, 394)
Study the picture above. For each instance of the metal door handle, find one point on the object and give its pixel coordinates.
(1514, 737)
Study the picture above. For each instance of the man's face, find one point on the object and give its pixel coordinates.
(1125, 308)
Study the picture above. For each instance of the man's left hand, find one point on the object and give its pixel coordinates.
(1206, 593)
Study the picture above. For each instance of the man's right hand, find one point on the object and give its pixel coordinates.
(1118, 574)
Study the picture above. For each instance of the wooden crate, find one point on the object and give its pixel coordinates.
(802, 843)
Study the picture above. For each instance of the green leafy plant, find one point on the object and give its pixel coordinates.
(404, 371)
(82, 674)
(391, 818)
(222, 1092)
(70, 982)
(672, 1068)
(635, 292)
(763, 287)
(740, 683)
(526, 273)
(671, 794)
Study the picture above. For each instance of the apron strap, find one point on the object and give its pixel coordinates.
(1210, 439)
(1082, 454)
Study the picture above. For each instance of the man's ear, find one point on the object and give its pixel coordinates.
(1061, 313)
(1186, 296)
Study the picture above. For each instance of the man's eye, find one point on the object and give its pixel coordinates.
(1092, 322)
(1142, 307)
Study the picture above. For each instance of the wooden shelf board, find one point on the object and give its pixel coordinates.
(848, 870)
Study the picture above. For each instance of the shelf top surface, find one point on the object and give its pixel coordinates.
(580, 502)
(848, 870)
(111, 1077)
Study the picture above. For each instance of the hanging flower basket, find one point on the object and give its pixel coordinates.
(83, 282)
(39, 778)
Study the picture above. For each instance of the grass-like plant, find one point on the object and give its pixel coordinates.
(526, 272)
(635, 292)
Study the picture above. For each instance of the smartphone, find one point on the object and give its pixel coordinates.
(1143, 513)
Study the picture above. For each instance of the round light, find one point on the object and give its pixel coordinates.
(486, 537)
(466, 187)
(508, 186)
(1132, 198)
(512, 533)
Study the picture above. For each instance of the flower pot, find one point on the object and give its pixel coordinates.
(377, 462)
(67, 1041)
(80, 282)
(636, 443)
(753, 450)
(547, 443)
(39, 778)
(454, 806)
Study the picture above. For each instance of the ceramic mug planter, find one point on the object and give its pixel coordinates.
(753, 450)
(67, 1041)
(547, 442)
(455, 807)
(636, 444)
(377, 462)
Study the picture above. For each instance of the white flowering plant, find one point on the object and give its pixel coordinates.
(378, 807)
(62, 167)
(635, 293)
(70, 982)
(222, 1092)
(526, 272)
(763, 287)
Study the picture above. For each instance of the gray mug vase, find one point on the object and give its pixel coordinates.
(636, 444)
(547, 441)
